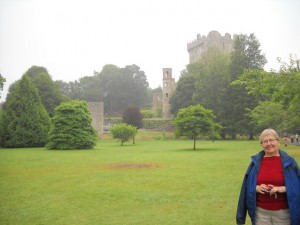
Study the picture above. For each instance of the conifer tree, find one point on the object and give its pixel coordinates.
(72, 128)
(24, 121)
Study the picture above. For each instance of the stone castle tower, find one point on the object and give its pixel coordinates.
(162, 100)
(169, 86)
(197, 47)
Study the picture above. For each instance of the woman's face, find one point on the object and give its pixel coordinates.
(270, 145)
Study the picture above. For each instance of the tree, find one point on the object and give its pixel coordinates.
(123, 132)
(2, 81)
(49, 91)
(246, 55)
(212, 82)
(122, 87)
(134, 117)
(72, 127)
(183, 95)
(195, 120)
(137, 85)
(277, 92)
(24, 121)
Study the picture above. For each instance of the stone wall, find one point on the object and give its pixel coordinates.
(156, 102)
(97, 113)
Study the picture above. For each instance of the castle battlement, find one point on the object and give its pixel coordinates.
(202, 43)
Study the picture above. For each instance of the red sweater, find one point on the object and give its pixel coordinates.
(271, 172)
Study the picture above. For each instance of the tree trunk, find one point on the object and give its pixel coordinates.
(233, 136)
(223, 135)
(194, 144)
(251, 136)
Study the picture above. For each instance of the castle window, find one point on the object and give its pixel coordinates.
(166, 84)
(167, 95)
(167, 73)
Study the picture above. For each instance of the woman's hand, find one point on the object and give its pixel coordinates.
(262, 189)
(278, 189)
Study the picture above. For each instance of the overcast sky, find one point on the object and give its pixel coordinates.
(74, 38)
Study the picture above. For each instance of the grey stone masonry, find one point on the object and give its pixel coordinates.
(96, 110)
(202, 43)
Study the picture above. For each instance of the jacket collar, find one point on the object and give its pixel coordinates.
(285, 158)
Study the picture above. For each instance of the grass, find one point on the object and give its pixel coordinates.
(153, 182)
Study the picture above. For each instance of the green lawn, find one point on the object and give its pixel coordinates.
(150, 183)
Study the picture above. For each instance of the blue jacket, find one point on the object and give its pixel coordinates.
(247, 200)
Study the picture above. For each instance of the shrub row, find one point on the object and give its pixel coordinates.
(147, 123)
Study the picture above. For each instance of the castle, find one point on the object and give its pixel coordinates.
(196, 48)
(201, 44)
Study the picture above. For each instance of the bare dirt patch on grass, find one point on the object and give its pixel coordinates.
(133, 166)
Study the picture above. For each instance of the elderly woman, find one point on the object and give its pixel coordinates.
(271, 188)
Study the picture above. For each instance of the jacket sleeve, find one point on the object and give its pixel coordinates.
(242, 207)
(242, 204)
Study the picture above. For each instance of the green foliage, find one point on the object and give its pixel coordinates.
(159, 112)
(2, 81)
(278, 92)
(48, 90)
(183, 95)
(122, 87)
(147, 113)
(246, 55)
(24, 121)
(115, 87)
(155, 122)
(72, 127)
(212, 82)
(195, 120)
(133, 116)
(263, 116)
(123, 132)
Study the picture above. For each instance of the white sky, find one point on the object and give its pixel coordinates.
(74, 38)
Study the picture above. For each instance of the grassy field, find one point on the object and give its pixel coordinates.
(154, 182)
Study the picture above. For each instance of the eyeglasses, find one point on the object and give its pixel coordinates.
(272, 141)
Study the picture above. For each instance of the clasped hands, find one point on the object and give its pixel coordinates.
(271, 189)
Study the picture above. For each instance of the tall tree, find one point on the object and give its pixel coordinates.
(49, 91)
(212, 83)
(122, 87)
(183, 95)
(112, 88)
(24, 121)
(246, 55)
(136, 85)
(2, 81)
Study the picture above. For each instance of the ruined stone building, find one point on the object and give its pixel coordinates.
(201, 44)
(96, 110)
(169, 86)
(162, 100)
(196, 48)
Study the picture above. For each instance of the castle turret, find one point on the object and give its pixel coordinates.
(169, 87)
